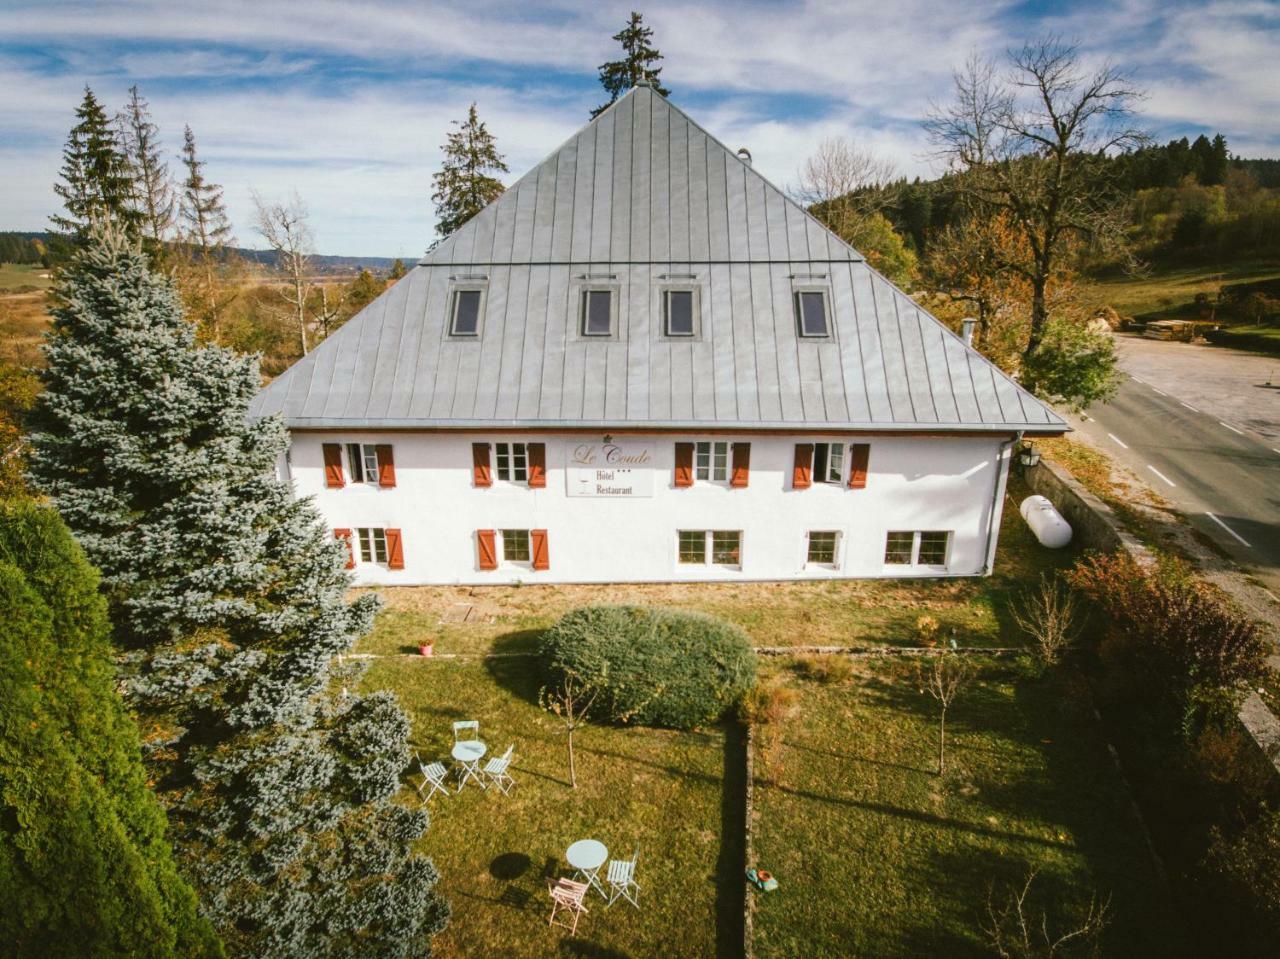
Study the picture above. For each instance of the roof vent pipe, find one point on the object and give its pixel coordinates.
(967, 326)
(744, 155)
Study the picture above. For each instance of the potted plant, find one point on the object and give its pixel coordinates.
(427, 647)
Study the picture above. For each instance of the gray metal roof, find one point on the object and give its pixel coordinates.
(639, 199)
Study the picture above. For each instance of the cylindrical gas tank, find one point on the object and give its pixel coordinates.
(1046, 522)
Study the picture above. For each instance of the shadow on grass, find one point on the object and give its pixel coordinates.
(850, 757)
(731, 886)
(581, 949)
(519, 675)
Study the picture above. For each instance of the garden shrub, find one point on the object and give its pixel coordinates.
(652, 666)
(1247, 869)
(829, 669)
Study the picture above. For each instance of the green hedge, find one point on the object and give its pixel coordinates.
(652, 666)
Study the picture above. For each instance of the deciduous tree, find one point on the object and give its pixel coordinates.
(464, 185)
(640, 62)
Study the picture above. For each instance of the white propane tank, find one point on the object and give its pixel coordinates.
(1046, 522)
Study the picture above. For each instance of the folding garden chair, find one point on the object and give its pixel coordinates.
(621, 877)
(467, 729)
(433, 775)
(567, 895)
(496, 769)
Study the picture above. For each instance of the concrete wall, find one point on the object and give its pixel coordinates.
(914, 483)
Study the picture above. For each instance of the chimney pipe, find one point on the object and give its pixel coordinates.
(967, 326)
(744, 155)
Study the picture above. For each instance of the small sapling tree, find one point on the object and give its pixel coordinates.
(1049, 614)
(945, 678)
(1014, 930)
(570, 699)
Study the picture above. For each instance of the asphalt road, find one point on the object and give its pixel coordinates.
(1224, 477)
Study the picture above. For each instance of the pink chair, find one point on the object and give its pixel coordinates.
(567, 895)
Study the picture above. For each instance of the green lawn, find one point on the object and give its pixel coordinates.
(878, 856)
(659, 790)
(1170, 293)
(1259, 339)
(16, 275)
(834, 612)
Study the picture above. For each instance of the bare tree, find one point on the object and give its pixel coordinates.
(1048, 613)
(1014, 933)
(570, 699)
(331, 308)
(945, 678)
(1034, 143)
(285, 228)
(843, 185)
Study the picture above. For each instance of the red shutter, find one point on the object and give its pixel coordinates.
(487, 546)
(395, 549)
(684, 464)
(859, 456)
(480, 474)
(333, 466)
(537, 465)
(386, 465)
(541, 554)
(741, 465)
(345, 534)
(800, 476)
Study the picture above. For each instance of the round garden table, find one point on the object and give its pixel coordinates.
(587, 856)
(469, 752)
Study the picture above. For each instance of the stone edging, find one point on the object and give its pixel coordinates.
(749, 900)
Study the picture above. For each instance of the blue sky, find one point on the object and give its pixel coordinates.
(347, 103)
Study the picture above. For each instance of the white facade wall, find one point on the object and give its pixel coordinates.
(914, 483)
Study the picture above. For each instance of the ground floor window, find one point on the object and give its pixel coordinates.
(724, 547)
(917, 547)
(373, 545)
(822, 547)
(515, 546)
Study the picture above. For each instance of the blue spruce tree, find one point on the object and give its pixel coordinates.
(228, 600)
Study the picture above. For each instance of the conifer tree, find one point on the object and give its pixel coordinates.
(85, 866)
(619, 76)
(153, 197)
(228, 599)
(96, 182)
(206, 231)
(464, 186)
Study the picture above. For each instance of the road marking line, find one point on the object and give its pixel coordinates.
(1136, 380)
(1228, 529)
(1118, 440)
(1190, 407)
(1161, 392)
(1161, 475)
(1230, 427)
(1274, 450)
(1274, 597)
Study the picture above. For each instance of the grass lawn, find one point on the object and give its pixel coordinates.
(1259, 339)
(1170, 293)
(660, 790)
(878, 856)
(14, 275)
(834, 612)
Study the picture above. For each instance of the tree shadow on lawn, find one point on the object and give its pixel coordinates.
(519, 675)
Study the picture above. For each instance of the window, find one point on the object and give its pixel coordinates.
(711, 461)
(725, 547)
(363, 458)
(597, 312)
(925, 548)
(822, 547)
(828, 462)
(678, 310)
(515, 546)
(811, 312)
(465, 320)
(373, 545)
(513, 462)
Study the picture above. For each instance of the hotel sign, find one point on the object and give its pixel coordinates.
(611, 470)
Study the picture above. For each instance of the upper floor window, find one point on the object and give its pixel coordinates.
(828, 462)
(363, 459)
(464, 318)
(597, 312)
(513, 462)
(711, 461)
(678, 308)
(811, 313)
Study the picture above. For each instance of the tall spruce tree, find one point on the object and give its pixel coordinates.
(205, 232)
(464, 186)
(619, 76)
(96, 182)
(85, 866)
(228, 600)
(153, 197)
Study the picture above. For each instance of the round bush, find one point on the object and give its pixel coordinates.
(652, 666)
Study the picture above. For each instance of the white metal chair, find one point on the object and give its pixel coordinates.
(497, 771)
(621, 877)
(471, 726)
(567, 895)
(433, 775)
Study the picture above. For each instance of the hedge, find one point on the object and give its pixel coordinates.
(652, 666)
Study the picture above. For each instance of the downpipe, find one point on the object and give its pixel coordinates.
(995, 500)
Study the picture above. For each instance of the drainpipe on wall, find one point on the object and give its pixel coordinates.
(995, 499)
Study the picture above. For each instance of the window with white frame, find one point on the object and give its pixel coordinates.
(828, 462)
(515, 546)
(373, 545)
(679, 311)
(464, 313)
(811, 313)
(513, 462)
(363, 460)
(714, 547)
(917, 548)
(597, 312)
(711, 461)
(824, 548)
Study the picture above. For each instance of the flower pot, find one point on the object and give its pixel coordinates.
(426, 648)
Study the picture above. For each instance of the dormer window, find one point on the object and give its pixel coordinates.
(678, 311)
(597, 312)
(465, 316)
(811, 313)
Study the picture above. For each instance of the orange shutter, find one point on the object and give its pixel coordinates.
(859, 456)
(333, 466)
(537, 465)
(541, 554)
(487, 546)
(741, 465)
(684, 464)
(345, 534)
(800, 476)
(480, 474)
(386, 465)
(395, 549)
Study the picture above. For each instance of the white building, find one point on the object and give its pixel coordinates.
(645, 363)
